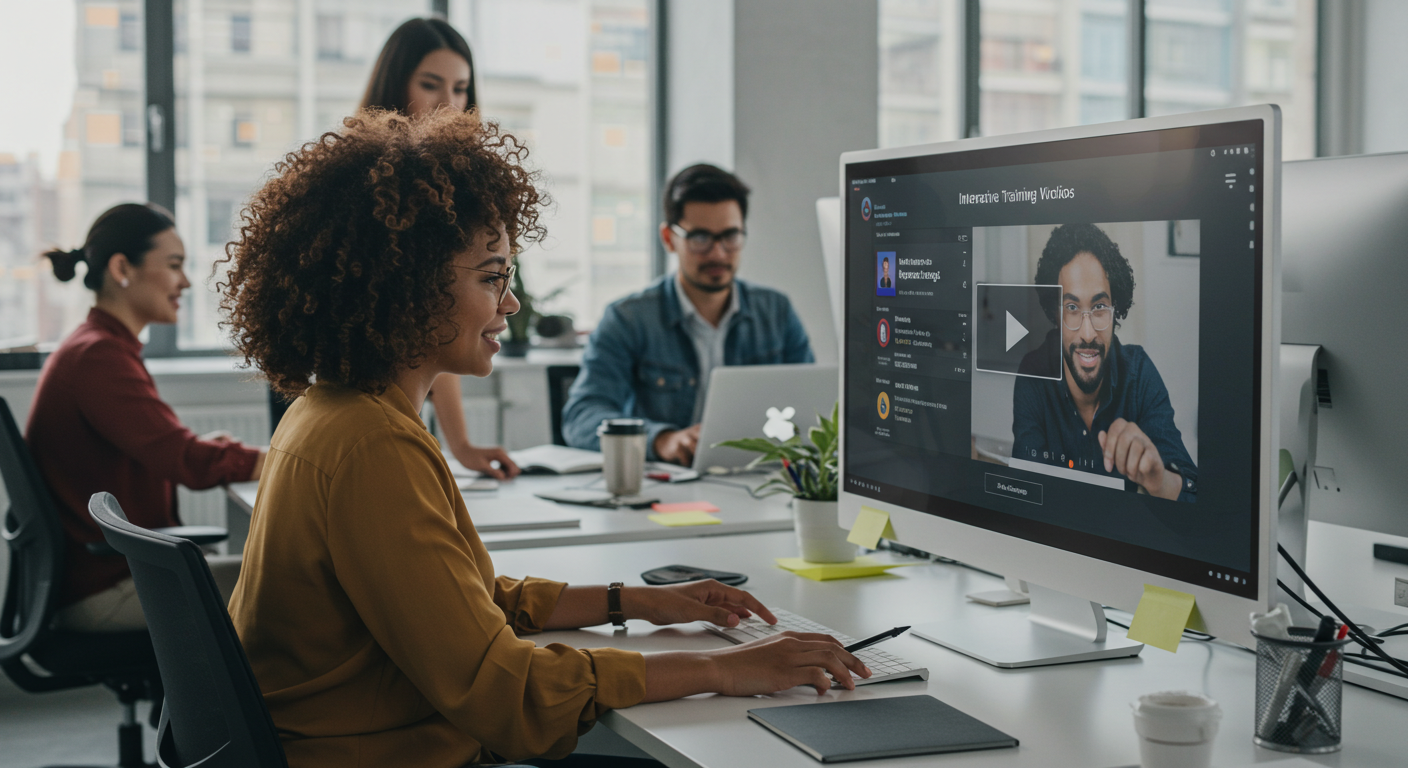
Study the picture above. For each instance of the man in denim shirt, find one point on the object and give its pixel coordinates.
(652, 353)
(1110, 412)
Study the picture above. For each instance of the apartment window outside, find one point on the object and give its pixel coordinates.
(129, 32)
(1051, 63)
(329, 36)
(241, 33)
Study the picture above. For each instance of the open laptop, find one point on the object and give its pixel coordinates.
(739, 398)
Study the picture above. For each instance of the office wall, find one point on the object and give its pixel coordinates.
(805, 82)
(1385, 122)
(699, 108)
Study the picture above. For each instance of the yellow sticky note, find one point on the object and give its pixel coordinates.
(675, 519)
(871, 526)
(857, 568)
(1161, 617)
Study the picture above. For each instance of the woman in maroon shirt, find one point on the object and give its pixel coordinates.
(98, 424)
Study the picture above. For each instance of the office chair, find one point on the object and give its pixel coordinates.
(35, 656)
(214, 715)
(560, 378)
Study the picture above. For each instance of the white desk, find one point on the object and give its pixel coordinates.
(1071, 715)
(739, 512)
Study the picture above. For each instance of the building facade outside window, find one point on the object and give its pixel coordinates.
(255, 80)
(1052, 63)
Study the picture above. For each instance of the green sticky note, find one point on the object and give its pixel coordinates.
(676, 519)
(1162, 616)
(861, 566)
(871, 526)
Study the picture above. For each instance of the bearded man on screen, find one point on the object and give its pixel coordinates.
(1109, 413)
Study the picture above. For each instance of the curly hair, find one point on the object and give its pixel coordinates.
(1070, 240)
(344, 258)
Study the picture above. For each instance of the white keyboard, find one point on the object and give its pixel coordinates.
(883, 666)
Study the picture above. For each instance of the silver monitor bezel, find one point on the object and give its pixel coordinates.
(1119, 586)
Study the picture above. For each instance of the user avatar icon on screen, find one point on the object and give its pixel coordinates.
(865, 209)
(885, 264)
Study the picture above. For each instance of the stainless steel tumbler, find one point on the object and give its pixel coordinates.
(622, 455)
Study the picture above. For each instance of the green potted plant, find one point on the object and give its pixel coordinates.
(809, 474)
(522, 322)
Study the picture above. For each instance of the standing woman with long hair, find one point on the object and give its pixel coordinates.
(424, 66)
(98, 423)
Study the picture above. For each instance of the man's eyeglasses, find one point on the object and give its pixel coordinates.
(505, 278)
(1073, 317)
(701, 241)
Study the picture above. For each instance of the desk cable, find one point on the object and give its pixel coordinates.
(1369, 643)
(751, 491)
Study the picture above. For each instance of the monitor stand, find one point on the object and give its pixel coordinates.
(1059, 629)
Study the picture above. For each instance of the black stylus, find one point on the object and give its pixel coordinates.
(880, 638)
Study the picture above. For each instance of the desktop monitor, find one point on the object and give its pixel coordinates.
(1346, 265)
(1012, 301)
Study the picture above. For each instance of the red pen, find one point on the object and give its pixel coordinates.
(1333, 656)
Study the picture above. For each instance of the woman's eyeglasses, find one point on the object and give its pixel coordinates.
(505, 277)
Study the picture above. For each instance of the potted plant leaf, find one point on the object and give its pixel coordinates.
(809, 475)
(522, 323)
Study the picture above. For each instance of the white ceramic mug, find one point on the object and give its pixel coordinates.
(1176, 729)
(819, 537)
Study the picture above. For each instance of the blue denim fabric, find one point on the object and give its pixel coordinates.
(1045, 419)
(640, 361)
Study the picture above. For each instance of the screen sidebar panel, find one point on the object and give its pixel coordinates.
(957, 353)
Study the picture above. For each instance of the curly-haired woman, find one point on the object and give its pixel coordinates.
(375, 260)
(426, 65)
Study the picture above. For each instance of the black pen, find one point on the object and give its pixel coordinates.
(880, 638)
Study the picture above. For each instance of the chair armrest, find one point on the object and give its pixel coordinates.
(200, 535)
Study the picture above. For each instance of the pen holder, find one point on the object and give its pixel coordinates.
(1299, 694)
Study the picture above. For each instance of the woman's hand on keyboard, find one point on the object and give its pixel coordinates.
(786, 661)
(692, 601)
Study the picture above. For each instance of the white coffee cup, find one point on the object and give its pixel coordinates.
(1176, 729)
(820, 539)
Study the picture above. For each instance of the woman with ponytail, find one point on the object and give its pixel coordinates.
(424, 66)
(98, 424)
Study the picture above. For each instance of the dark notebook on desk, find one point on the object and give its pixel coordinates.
(843, 731)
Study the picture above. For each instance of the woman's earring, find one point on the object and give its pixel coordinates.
(123, 282)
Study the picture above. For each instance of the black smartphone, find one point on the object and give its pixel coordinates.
(678, 574)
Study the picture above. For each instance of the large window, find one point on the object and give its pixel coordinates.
(256, 78)
(73, 151)
(567, 76)
(1051, 63)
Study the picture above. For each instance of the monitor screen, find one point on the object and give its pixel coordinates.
(1061, 342)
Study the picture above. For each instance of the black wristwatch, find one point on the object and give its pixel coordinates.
(613, 604)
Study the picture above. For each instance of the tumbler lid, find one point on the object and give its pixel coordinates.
(621, 427)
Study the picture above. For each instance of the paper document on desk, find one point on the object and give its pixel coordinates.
(556, 459)
(1294, 762)
(499, 515)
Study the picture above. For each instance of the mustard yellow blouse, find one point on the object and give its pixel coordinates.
(371, 614)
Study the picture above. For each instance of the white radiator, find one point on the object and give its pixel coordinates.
(248, 423)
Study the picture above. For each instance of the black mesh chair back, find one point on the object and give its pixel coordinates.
(560, 378)
(214, 715)
(36, 541)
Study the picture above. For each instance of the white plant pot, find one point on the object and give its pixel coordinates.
(819, 538)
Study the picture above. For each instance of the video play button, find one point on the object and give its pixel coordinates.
(1015, 332)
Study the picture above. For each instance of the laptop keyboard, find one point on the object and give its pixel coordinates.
(883, 666)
